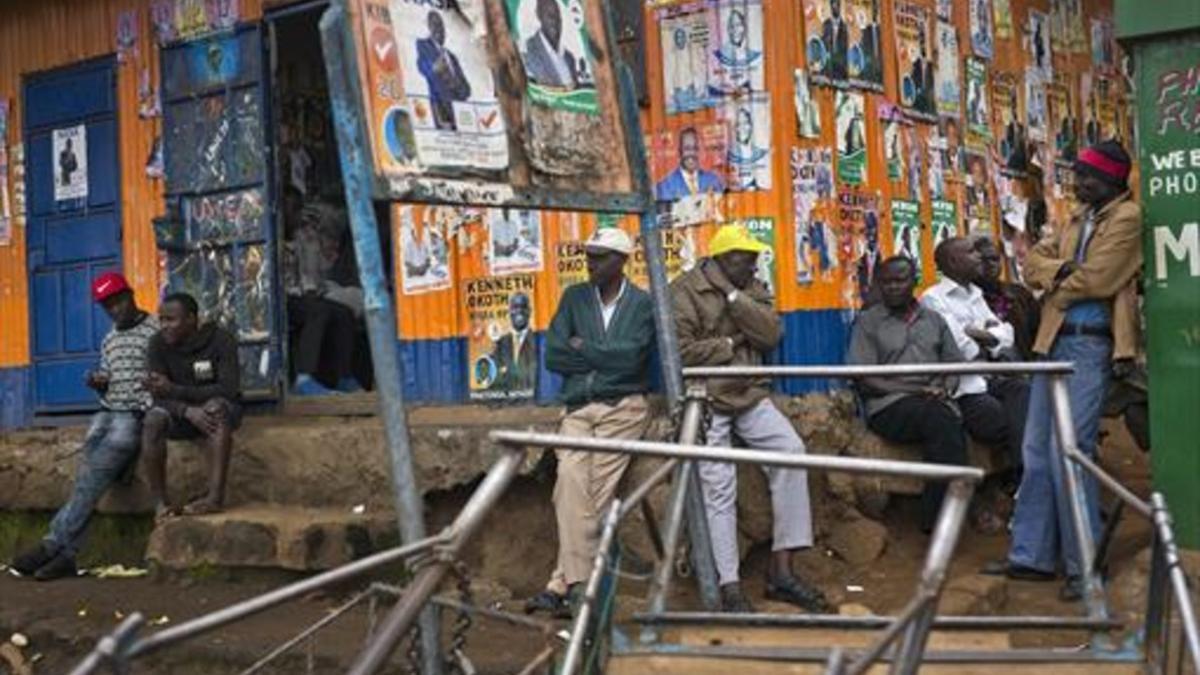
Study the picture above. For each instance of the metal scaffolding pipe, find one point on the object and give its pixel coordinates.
(1178, 580)
(897, 370)
(839, 621)
(941, 472)
(571, 660)
(1125, 494)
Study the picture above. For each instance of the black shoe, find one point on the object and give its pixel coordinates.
(32, 559)
(60, 566)
(1072, 590)
(1003, 568)
(734, 601)
(796, 592)
(547, 601)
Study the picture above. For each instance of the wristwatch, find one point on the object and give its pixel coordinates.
(733, 295)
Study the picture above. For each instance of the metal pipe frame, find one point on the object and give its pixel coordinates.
(821, 654)
(505, 617)
(112, 648)
(898, 370)
(905, 619)
(307, 632)
(380, 313)
(1123, 493)
(401, 617)
(838, 621)
(574, 654)
(1165, 538)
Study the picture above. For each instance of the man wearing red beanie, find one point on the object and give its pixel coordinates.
(1087, 270)
(112, 442)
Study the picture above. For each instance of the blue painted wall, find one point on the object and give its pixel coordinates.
(16, 398)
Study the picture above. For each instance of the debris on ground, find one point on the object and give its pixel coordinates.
(15, 660)
(117, 572)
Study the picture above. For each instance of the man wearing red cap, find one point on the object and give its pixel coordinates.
(112, 442)
(1087, 270)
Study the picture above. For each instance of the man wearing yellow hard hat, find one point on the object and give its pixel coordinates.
(726, 317)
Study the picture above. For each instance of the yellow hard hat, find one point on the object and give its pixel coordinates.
(734, 238)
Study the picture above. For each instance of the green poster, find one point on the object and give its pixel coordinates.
(906, 231)
(1168, 152)
(851, 138)
(945, 221)
(551, 37)
(979, 117)
(763, 229)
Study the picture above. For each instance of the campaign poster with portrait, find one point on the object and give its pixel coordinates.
(552, 38)
(979, 118)
(916, 161)
(946, 75)
(858, 212)
(1103, 46)
(1099, 108)
(844, 47)
(1036, 114)
(1064, 120)
(808, 111)
(763, 229)
(502, 356)
(736, 54)
(978, 198)
(689, 172)
(906, 231)
(69, 153)
(1041, 58)
(684, 35)
(1076, 36)
(893, 141)
(424, 250)
(914, 60)
(935, 154)
(514, 240)
(982, 37)
(812, 194)
(1002, 19)
(851, 137)
(679, 252)
(433, 95)
(748, 159)
(944, 220)
(1008, 103)
(945, 10)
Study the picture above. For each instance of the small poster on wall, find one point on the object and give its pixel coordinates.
(684, 32)
(502, 356)
(944, 220)
(749, 154)
(851, 138)
(858, 211)
(5, 204)
(979, 118)
(736, 55)
(1012, 143)
(906, 231)
(688, 170)
(914, 60)
(1003, 19)
(843, 47)
(424, 250)
(1103, 46)
(69, 148)
(1041, 60)
(808, 112)
(514, 240)
(552, 38)
(812, 192)
(979, 201)
(1035, 106)
(763, 229)
(982, 37)
(949, 90)
(893, 150)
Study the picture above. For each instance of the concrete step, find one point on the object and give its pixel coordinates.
(266, 536)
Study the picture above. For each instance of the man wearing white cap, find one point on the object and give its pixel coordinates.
(600, 342)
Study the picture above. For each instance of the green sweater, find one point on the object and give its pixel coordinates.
(611, 364)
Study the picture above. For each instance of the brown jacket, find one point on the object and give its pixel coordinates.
(1109, 271)
(706, 322)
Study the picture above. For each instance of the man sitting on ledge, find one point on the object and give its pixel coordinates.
(195, 379)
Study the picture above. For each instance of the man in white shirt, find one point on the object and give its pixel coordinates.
(993, 409)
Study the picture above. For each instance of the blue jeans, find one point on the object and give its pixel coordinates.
(112, 442)
(1042, 531)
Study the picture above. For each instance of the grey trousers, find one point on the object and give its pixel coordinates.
(761, 427)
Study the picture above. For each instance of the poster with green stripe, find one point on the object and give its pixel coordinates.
(551, 36)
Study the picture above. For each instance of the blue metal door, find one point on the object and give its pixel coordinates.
(216, 158)
(74, 223)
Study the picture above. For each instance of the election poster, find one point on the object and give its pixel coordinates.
(433, 94)
(946, 75)
(1041, 58)
(127, 33)
(1002, 19)
(424, 249)
(935, 155)
(1008, 104)
(736, 55)
(893, 150)
(1036, 114)
(978, 198)
(552, 38)
(1099, 108)
(808, 111)
(1104, 46)
(906, 231)
(916, 161)
(858, 212)
(763, 229)
(979, 118)
(851, 138)
(812, 193)
(982, 37)
(1064, 120)
(684, 35)
(679, 251)
(944, 219)
(1076, 40)
(514, 240)
(502, 356)
(6, 210)
(844, 47)
(688, 169)
(945, 10)
(914, 59)
(748, 159)
(70, 156)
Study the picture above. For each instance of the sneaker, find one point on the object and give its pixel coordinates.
(32, 559)
(307, 386)
(60, 566)
(549, 602)
(1004, 568)
(734, 601)
(796, 592)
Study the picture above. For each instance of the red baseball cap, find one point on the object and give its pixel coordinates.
(107, 285)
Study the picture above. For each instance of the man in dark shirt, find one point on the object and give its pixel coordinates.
(195, 380)
(1012, 303)
(916, 409)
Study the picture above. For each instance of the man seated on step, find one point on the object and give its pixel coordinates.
(916, 409)
(726, 317)
(599, 341)
(111, 446)
(992, 408)
(195, 380)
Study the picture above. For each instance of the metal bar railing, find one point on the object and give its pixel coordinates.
(307, 632)
(842, 622)
(591, 591)
(1178, 584)
(111, 648)
(898, 370)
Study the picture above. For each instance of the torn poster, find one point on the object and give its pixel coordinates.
(1041, 59)
(1064, 120)
(1103, 46)
(514, 240)
(6, 211)
(162, 20)
(69, 153)
(1002, 19)
(808, 112)
(1036, 115)
(424, 250)
(906, 231)
(684, 34)
(688, 170)
(937, 165)
(949, 89)
(736, 54)
(851, 138)
(812, 190)
(914, 60)
(945, 10)
(844, 47)
(858, 211)
(763, 229)
(149, 103)
(552, 37)
(1008, 104)
(982, 43)
(749, 156)
(126, 35)
(893, 152)
(502, 358)
(916, 161)
(978, 198)
(979, 118)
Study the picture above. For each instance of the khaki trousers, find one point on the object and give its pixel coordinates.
(587, 482)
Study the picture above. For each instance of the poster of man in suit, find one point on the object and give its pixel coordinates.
(502, 353)
(70, 166)
(843, 45)
(684, 33)
(552, 38)
(688, 168)
(736, 56)
(914, 60)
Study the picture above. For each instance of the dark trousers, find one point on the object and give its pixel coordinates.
(323, 338)
(937, 428)
(997, 418)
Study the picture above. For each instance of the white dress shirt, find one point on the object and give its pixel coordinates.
(963, 307)
(607, 311)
